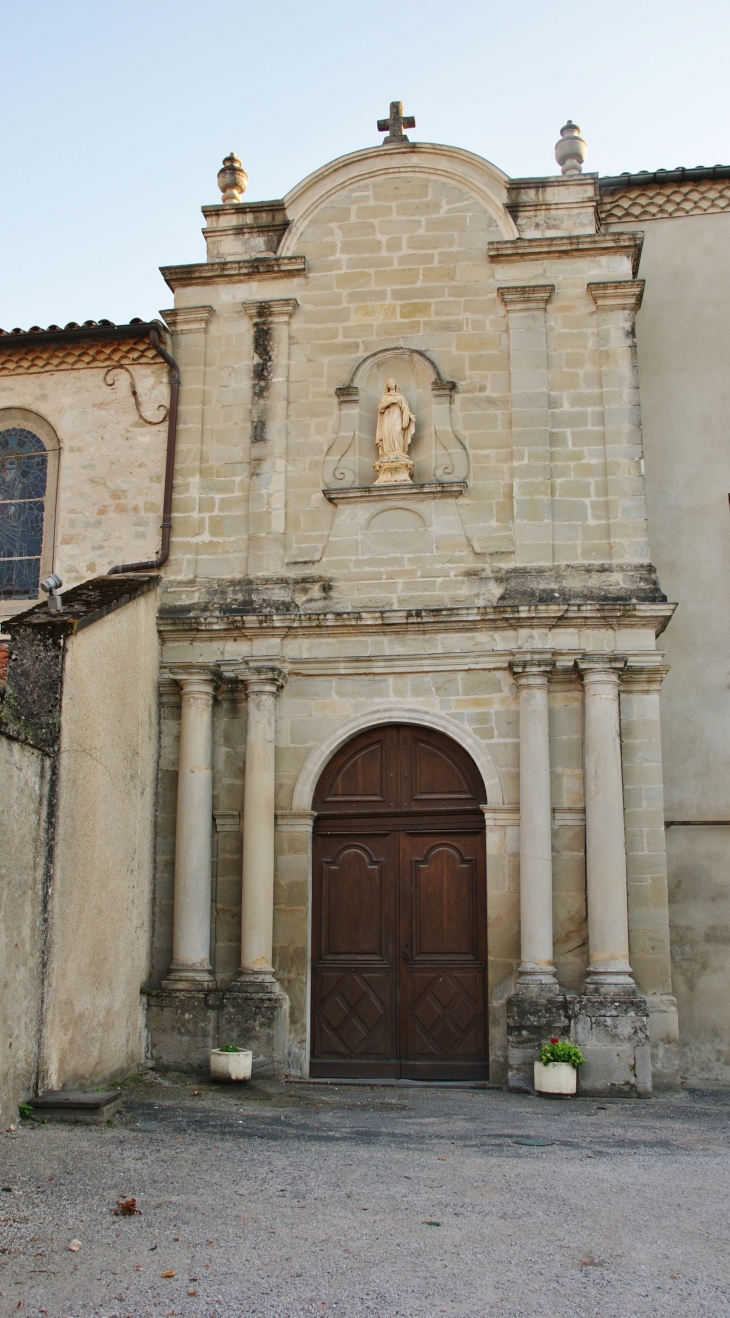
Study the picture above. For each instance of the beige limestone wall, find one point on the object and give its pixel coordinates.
(111, 469)
(363, 672)
(402, 263)
(699, 894)
(25, 777)
(101, 903)
(683, 340)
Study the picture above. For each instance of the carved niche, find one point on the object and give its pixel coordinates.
(438, 454)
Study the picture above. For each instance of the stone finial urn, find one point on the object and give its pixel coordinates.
(571, 150)
(232, 178)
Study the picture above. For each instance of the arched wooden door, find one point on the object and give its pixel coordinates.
(399, 910)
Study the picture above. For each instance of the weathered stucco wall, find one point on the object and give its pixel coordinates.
(683, 335)
(111, 468)
(101, 904)
(25, 775)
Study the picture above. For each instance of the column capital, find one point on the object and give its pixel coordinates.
(526, 297)
(274, 308)
(195, 678)
(188, 320)
(533, 668)
(618, 294)
(601, 668)
(267, 678)
(644, 677)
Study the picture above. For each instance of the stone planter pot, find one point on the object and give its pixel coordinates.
(231, 1066)
(555, 1078)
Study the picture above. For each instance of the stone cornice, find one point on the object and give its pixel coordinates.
(618, 294)
(576, 247)
(496, 617)
(188, 320)
(527, 297)
(233, 272)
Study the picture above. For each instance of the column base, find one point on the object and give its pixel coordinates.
(182, 1027)
(535, 1013)
(612, 1031)
(255, 1015)
(189, 977)
(543, 977)
(185, 1022)
(619, 980)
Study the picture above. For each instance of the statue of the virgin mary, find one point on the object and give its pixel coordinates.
(394, 432)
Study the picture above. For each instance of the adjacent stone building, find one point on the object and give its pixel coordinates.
(411, 793)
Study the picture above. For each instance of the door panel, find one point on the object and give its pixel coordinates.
(353, 895)
(354, 988)
(399, 910)
(443, 899)
(443, 913)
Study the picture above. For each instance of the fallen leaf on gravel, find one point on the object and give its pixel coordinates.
(170, 1273)
(74, 1246)
(126, 1207)
(192, 1292)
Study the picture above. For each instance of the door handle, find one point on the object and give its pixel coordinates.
(406, 952)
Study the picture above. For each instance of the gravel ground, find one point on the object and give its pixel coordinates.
(273, 1201)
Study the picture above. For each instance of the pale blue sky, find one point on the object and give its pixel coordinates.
(116, 117)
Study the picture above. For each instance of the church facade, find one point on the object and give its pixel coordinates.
(421, 768)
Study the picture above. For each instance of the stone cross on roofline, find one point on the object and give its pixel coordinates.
(395, 124)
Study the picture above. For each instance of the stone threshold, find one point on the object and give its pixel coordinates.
(399, 489)
(394, 1083)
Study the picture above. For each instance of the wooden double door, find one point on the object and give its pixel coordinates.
(399, 910)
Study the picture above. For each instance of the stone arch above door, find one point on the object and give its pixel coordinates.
(438, 452)
(321, 754)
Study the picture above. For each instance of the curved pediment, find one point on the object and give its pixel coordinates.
(476, 176)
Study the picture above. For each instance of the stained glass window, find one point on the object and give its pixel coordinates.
(23, 476)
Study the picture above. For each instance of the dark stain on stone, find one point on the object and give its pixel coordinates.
(263, 364)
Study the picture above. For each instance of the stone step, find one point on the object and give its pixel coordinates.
(72, 1105)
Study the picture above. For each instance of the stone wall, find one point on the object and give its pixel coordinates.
(683, 343)
(25, 855)
(102, 894)
(108, 502)
(78, 745)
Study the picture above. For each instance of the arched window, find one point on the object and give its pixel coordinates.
(27, 486)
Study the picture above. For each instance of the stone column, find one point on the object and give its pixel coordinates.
(528, 361)
(262, 685)
(190, 967)
(608, 923)
(532, 674)
(269, 406)
(618, 302)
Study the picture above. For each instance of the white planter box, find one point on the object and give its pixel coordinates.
(231, 1066)
(555, 1078)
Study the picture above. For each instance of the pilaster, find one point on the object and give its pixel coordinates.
(189, 327)
(618, 302)
(531, 490)
(269, 407)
